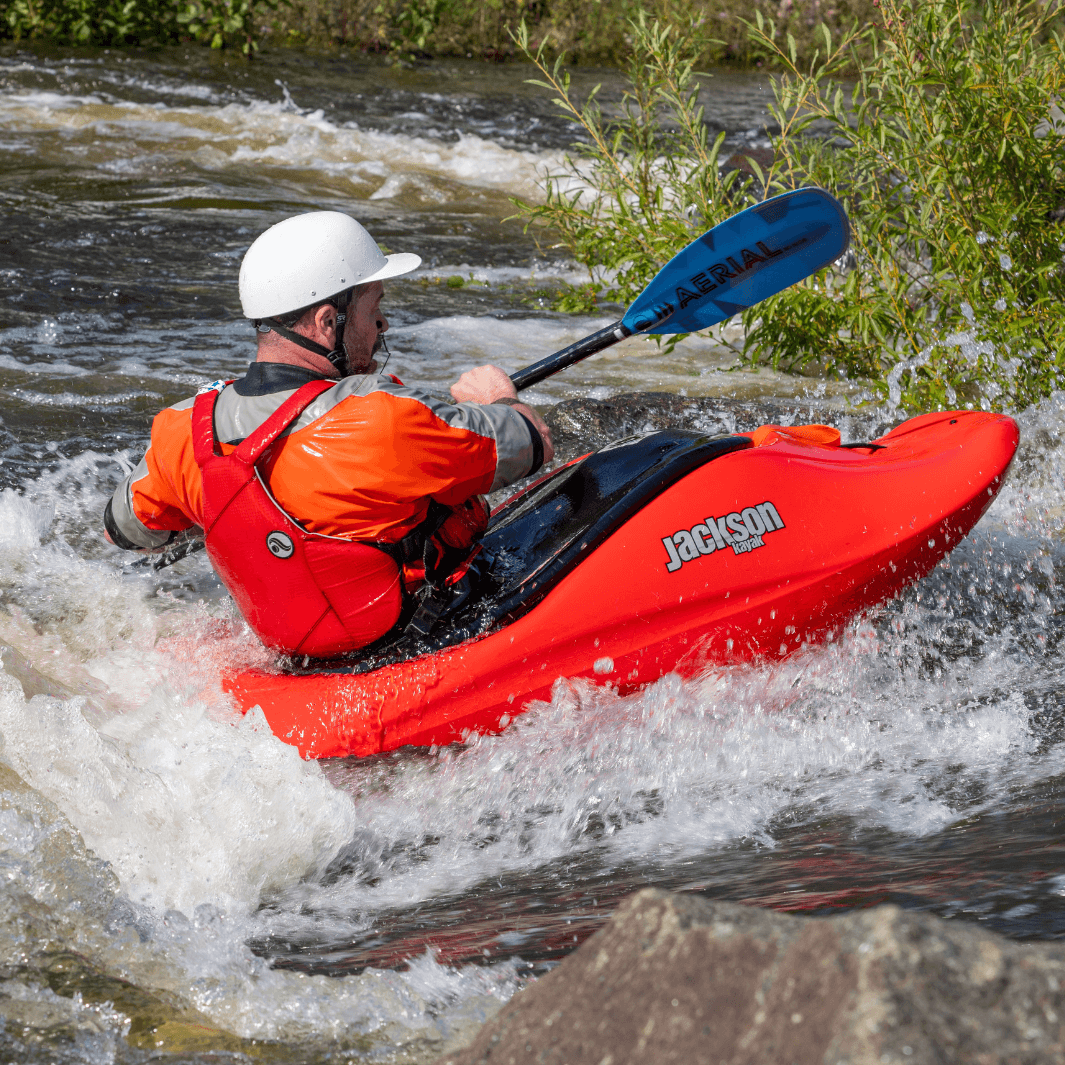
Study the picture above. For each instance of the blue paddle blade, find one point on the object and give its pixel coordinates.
(740, 262)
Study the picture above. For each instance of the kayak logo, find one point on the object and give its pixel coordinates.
(700, 284)
(742, 530)
(280, 544)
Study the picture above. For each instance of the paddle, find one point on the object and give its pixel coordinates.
(738, 263)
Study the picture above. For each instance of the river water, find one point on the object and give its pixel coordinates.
(177, 881)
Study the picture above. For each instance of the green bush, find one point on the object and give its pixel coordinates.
(954, 181)
(646, 178)
(938, 147)
(115, 22)
(88, 21)
(220, 22)
(416, 22)
(587, 31)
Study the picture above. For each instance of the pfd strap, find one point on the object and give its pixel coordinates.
(250, 449)
(203, 440)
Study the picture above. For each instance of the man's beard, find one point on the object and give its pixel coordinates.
(371, 366)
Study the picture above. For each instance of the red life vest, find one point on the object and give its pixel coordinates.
(302, 593)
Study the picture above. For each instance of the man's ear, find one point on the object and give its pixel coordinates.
(325, 323)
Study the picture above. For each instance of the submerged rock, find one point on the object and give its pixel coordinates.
(581, 425)
(677, 978)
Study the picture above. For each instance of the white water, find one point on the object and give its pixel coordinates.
(196, 813)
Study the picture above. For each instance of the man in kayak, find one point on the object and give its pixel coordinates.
(327, 492)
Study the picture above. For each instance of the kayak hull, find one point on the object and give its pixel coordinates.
(754, 555)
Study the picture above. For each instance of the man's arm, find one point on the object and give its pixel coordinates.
(489, 384)
(148, 507)
(121, 524)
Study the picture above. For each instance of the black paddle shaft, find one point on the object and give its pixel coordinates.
(614, 332)
(534, 374)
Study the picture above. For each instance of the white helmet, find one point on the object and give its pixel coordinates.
(310, 257)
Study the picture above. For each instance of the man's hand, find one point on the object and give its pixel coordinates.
(489, 384)
(486, 384)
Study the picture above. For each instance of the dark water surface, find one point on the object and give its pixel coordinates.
(198, 886)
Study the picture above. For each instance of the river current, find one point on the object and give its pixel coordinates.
(174, 880)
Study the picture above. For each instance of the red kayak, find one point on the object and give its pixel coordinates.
(667, 552)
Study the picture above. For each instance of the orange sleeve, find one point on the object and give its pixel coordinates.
(169, 493)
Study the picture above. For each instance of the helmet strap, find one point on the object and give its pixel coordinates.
(338, 356)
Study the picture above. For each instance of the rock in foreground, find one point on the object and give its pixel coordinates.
(675, 978)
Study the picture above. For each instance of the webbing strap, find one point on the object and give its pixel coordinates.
(256, 442)
(204, 445)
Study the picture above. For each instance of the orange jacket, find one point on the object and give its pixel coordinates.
(362, 462)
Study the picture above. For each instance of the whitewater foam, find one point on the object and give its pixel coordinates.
(370, 163)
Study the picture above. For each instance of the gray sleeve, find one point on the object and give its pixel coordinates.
(120, 517)
(515, 453)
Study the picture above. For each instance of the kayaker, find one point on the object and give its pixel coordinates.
(328, 492)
